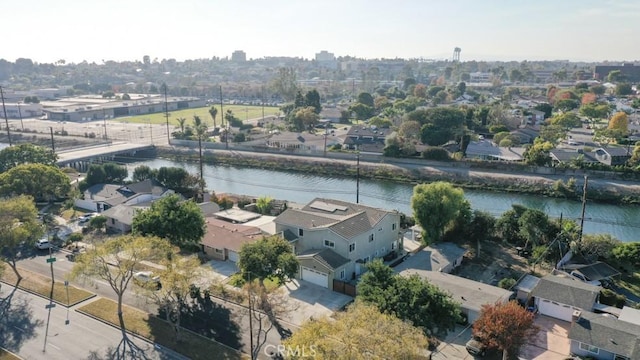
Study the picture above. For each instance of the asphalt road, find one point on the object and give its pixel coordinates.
(235, 332)
(33, 331)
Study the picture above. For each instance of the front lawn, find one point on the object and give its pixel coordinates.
(159, 331)
(41, 285)
(237, 281)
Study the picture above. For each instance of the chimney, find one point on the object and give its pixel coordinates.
(575, 317)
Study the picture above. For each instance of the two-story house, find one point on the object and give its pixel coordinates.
(335, 239)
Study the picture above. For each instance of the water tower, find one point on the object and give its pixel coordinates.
(456, 54)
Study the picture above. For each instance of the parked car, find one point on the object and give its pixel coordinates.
(475, 347)
(43, 244)
(581, 277)
(145, 278)
(86, 217)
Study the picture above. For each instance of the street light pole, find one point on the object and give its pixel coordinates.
(166, 111)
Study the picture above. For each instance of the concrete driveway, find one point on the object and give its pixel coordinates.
(453, 346)
(222, 269)
(550, 343)
(305, 300)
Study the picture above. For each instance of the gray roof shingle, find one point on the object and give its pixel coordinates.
(608, 333)
(344, 218)
(326, 257)
(567, 291)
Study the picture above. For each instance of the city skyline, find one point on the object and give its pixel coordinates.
(492, 30)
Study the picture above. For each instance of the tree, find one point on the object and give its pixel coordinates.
(201, 133)
(595, 111)
(25, 154)
(305, 118)
(505, 327)
(619, 121)
(115, 261)
(109, 173)
(362, 111)
(366, 99)
(623, 89)
(534, 226)
(285, 83)
(180, 222)
(614, 76)
(538, 153)
(566, 120)
(42, 182)
(312, 98)
(436, 206)
(566, 105)
(361, 332)
(177, 279)
(19, 227)
(142, 173)
(213, 111)
(596, 246)
(179, 180)
(598, 89)
(269, 257)
(627, 255)
(264, 204)
(409, 298)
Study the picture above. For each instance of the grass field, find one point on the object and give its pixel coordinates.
(41, 285)
(242, 112)
(161, 332)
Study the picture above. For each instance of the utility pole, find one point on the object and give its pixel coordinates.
(53, 144)
(226, 133)
(104, 123)
(20, 114)
(166, 111)
(6, 119)
(358, 178)
(584, 206)
(250, 317)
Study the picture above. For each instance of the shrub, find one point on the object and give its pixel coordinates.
(506, 283)
(611, 298)
(435, 153)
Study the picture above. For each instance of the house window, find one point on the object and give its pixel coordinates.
(371, 238)
(300, 232)
(341, 274)
(393, 226)
(113, 221)
(393, 245)
(589, 348)
(352, 247)
(329, 244)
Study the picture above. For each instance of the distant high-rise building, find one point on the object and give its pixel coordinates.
(326, 59)
(239, 56)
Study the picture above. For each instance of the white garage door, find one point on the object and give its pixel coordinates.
(315, 277)
(554, 309)
(232, 255)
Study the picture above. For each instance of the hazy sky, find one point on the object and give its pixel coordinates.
(92, 30)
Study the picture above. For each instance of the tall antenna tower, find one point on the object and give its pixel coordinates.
(456, 54)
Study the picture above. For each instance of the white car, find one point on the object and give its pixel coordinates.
(86, 217)
(43, 244)
(145, 277)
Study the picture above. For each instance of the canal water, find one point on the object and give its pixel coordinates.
(621, 221)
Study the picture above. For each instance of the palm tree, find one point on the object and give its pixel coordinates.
(213, 111)
(200, 130)
(181, 122)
